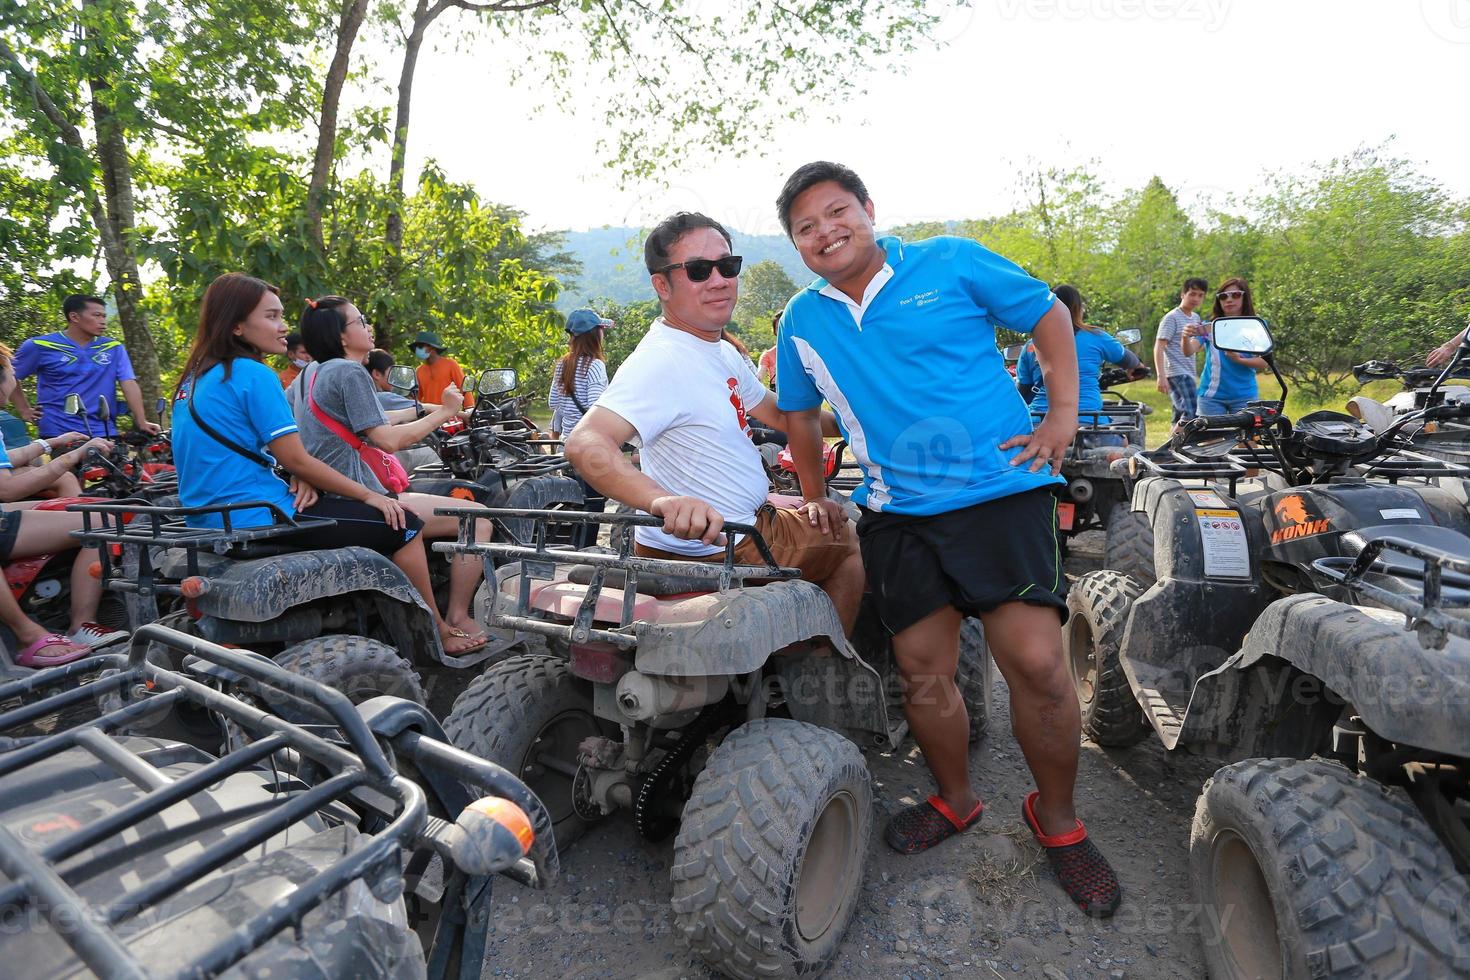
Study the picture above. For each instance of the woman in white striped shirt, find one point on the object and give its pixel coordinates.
(581, 373)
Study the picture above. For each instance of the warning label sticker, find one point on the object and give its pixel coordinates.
(1227, 552)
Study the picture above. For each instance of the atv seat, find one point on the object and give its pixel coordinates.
(649, 583)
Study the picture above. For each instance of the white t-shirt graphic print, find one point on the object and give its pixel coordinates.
(688, 399)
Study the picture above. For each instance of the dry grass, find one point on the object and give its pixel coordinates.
(1000, 878)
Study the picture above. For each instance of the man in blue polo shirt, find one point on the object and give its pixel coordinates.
(959, 512)
(78, 360)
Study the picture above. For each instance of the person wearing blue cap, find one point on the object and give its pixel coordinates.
(581, 373)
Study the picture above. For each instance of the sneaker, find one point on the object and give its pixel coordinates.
(96, 636)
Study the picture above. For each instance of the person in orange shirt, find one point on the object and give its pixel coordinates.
(437, 372)
(296, 353)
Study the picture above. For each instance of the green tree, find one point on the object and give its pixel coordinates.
(1153, 253)
(765, 289)
(1362, 259)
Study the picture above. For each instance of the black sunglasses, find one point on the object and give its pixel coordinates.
(698, 270)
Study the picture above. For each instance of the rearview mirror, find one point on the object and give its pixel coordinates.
(469, 382)
(1242, 335)
(73, 404)
(498, 381)
(402, 379)
(1013, 352)
(160, 407)
(104, 408)
(1130, 336)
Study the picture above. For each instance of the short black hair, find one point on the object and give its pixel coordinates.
(293, 339)
(322, 325)
(379, 360)
(1195, 282)
(808, 176)
(77, 302)
(668, 231)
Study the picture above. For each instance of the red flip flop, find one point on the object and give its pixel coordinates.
(919, 827)
(1084, 873)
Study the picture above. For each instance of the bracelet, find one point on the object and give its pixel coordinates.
(45, 447)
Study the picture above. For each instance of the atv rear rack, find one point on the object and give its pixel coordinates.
(44, 877)
(1425, 615)
(539, 561)
(110, 526)
(1408, 463)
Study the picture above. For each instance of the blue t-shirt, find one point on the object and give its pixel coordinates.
(1028, 370)
(249, 409)
(63, 368)
(1224, 379)
(1094, 349)
(914, 376)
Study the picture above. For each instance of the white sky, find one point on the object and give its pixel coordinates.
(1208, 94)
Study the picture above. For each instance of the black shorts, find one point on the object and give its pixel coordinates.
(974, 559)
(357, 524)
(9, 528)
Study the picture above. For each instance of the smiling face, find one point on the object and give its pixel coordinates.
(833, 231)
(265, 328)
(702, 306)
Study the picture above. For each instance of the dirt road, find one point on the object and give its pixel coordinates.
(980, 906)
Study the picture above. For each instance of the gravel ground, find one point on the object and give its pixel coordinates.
(978, 906)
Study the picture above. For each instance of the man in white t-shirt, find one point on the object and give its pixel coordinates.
(688, 396)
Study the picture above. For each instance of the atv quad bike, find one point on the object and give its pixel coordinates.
(704, 703)
(1096, 495)
(1423, 387)
(353, 846)
(1313, 620)
(348, 618)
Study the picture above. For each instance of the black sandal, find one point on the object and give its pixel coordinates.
(919, 827)
(1085, 874)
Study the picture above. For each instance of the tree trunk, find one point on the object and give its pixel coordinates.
(116, 228)
(326, 141)
(393, 229)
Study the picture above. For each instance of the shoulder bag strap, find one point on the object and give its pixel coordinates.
(210, 431)
(333, 426)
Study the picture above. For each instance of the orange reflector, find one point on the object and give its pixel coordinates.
(95, 569)
(1066, 514)
(194, 586)
(509, 816)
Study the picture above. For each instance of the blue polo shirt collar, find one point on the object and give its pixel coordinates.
(891, 245)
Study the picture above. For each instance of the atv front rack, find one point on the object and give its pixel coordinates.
(1425, 614)
(1125, 419)
(539, 561)
(44, 877)
(144, 527)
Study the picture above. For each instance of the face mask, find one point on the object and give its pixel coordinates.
(422, 353)
(299, 362)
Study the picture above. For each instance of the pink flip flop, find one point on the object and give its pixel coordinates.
(31, 656)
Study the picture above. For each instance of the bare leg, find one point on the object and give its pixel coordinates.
(845, 588)
(26, 630)
(927, 654)
(414, 562)
(44, 532)
(1026, 642)
(467, 570)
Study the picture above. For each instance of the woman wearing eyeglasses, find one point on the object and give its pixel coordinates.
(337, 410)
(1228, 383)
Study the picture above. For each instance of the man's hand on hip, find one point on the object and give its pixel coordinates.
(1046, 445)
(689, 518)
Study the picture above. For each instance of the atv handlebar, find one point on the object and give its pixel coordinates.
(1247, 419)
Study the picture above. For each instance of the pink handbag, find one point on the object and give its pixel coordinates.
(384, 465)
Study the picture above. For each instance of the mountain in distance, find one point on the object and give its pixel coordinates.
(612, 264)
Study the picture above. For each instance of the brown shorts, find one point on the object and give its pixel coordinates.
(793, 542)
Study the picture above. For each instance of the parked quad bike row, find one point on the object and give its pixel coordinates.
(1323, 642)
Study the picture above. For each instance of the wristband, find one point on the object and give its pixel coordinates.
(45, 447)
